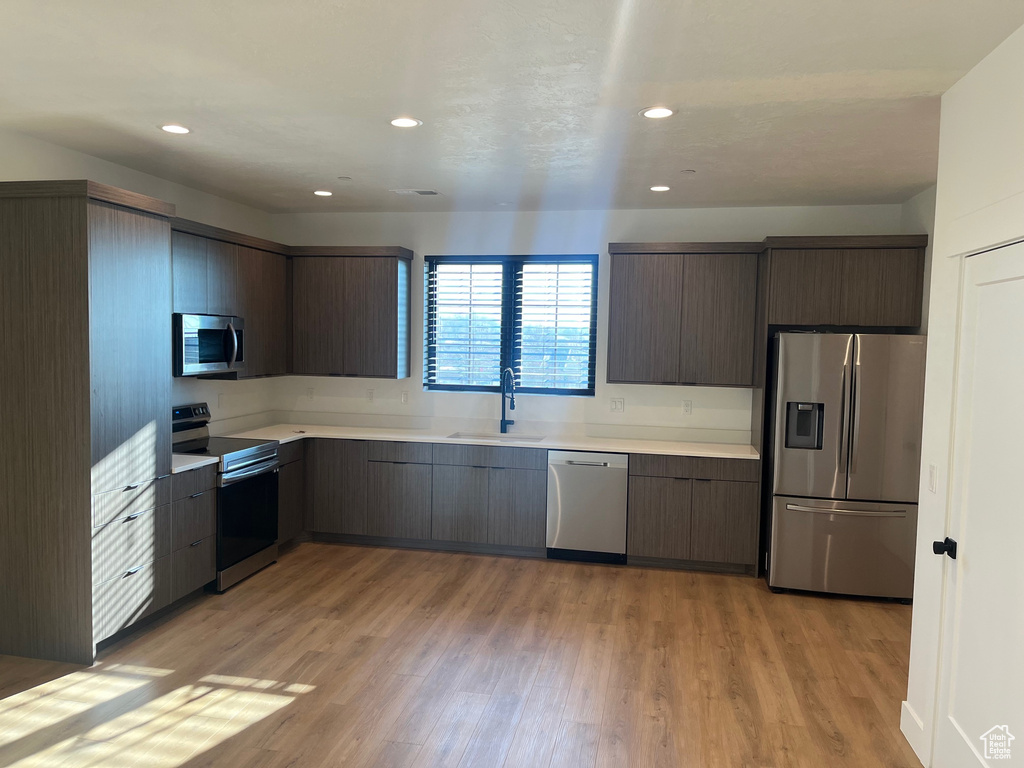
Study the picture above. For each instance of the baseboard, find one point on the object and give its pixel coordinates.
(690, 565)
(442, 546)
(913, 730)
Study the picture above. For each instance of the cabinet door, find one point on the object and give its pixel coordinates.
(644, 315)
(805, 287)
(130, 346)
(659, 517)
(369, 317)
(291, 500)
(222, 278)
(398, 500)
(317, 301)
(188, 257)
(193, 566)
(717, 331)
(517, 507)
(459, 508)
(262, 279)
(882, 287)
(724, 522)
(337, 486)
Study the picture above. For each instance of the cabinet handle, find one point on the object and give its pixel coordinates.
(130, 487)
(132, 517)
(196, 543)
(132, 572)
(197, 495)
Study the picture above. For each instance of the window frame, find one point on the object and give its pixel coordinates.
(511, 320)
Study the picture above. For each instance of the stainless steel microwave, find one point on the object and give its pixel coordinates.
(206, 344)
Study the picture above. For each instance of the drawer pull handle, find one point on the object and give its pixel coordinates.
(196, 543)
(131, 517)
(197, 495)
(132, 572)
(130, 488)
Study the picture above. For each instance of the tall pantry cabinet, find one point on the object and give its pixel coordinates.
(85, 330)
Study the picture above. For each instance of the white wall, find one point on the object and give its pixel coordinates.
(23, 158)
(979, 204)
(918, 217)
(718, 413)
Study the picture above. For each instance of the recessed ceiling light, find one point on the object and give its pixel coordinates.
(174, 128)
(689, 170)
(656, 113)
(406, 122)
(344, 178)
(660, 188)
(323, 193)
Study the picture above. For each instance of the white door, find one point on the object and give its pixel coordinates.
(981, 686)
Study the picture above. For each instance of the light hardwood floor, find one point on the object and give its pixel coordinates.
(349, 656)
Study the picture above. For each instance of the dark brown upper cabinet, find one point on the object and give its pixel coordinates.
(205, 275)
(865, 281)
(682, 313)
(351, 312)
(263, 287)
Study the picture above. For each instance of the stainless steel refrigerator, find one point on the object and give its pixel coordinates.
(846, 438)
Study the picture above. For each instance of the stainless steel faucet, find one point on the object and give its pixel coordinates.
(508, 389)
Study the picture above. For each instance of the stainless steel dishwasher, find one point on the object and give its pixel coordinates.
(587, 506)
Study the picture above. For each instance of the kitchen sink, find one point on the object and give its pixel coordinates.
(512, 438)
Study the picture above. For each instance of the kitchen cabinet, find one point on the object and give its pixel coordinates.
(700, 511)
(291, 493)
(193, 556)
(723, 521)
(459, 509)
(263, 282)
(398, 500)
(517, 507)
(336, 486)
(351, 314)
(659, 517)
(205, 275)
(222, 292)
(863, 287)
(683, 317)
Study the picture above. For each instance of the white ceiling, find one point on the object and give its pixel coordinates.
(532, 103)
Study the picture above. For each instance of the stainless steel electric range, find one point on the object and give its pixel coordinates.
(246, 493)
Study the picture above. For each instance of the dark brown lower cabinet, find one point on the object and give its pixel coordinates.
(516, 507)
(724, 519)
(459, 504)
(193, 566)
(398, 499)
(336, 487)
(291, 500)
(659, 515)
(193, 518)
(123, 600)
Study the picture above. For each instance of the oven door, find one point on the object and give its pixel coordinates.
(206, 344)
(246, 517)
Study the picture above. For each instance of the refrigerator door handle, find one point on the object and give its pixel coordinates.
(855, 414)
(844, 437)
(850, 512)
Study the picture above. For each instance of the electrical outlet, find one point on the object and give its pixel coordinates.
(405, 398)
(932, 472)
(618, 405)
(309, 393)
(369, 395)
(687, 407)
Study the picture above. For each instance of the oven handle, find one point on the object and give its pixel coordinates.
(244, 474)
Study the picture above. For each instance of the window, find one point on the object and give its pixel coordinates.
(534, 314)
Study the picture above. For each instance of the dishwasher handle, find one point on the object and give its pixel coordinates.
(574, 463)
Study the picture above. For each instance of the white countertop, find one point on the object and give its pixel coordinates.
(286, 433)
(183, 462)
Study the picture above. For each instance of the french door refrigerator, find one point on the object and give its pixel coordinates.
(846, 442)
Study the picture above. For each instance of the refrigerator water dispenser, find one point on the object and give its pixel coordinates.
(805, 425)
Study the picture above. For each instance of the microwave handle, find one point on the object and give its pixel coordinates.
(234, 344)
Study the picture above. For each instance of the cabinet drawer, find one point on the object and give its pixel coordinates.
(184, 484)
(123, 600)
(412, 453)
(650, 465)
(130, 500)
(289, 452)
(193, 567)
(138, 539)
(490, 456)
(193, 518)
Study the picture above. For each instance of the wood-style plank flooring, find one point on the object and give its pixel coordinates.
(350, 656)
